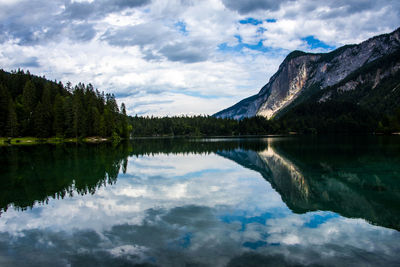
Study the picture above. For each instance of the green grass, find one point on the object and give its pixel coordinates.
(51, 140)
(19, 141)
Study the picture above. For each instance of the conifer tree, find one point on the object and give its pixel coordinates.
(47, 109)
(29, 101)
(40, 121)
(4, 98)
(124, 120)
(68, 117)
(58, 111)
(12, 121)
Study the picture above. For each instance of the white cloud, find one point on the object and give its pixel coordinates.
(175, 47)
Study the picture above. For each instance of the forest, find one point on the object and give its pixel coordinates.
(34, 106)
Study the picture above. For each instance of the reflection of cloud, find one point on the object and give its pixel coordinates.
(194, 235)
(172, 210)
(161, 181)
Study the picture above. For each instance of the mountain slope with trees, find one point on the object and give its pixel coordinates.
(353, 88)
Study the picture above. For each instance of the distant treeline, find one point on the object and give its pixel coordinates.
(34, 106)
(330, 117)
(203, 126)
(339, 117)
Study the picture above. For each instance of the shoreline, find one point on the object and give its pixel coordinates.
(18, 141)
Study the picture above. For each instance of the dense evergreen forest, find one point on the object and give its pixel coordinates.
(203, 126)
(34, 106)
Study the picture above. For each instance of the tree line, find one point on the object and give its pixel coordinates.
(34, 106)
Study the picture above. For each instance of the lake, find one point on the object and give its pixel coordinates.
(277, 201)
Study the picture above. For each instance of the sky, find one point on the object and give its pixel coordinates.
(178, 57)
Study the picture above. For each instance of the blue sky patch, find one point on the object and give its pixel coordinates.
(197, 94)
(315, 43)
(224, 47)
(254, 245)
(261, 30)
(186, 240)
(250, 21)
(181, 26)
(270, 20)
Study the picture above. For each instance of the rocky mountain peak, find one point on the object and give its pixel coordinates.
(301, 71)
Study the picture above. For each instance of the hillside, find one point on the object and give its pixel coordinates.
(352, 79)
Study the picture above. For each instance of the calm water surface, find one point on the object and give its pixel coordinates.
(331, 201)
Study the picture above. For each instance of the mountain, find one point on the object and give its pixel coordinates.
(365, 75)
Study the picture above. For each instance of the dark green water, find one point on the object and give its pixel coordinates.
(330, 201)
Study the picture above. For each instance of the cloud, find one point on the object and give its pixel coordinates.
(100, 8)
(83, 32)
(245, 7)
(188, 50)
(42, 21)
(185, 52)
(156, 40)
(30, 62)
(141, 35)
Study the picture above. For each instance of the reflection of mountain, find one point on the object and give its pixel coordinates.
(354, 181)
(358, 178)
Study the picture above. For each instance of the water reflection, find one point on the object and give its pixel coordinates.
(179, 202)
(33, 174)
(355, 177)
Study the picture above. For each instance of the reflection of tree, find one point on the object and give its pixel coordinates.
(31, 174)
(36, 173)
(198, 146)
(357, 177)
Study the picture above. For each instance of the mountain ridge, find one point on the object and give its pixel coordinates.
(301, 71)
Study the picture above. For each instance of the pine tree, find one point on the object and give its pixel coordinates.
(109, 121)
(29, 98)
(79, 114)
(102, 127)
(12, 121)
(96, 127)
(29, 101)
(4, 99)
(58, 111)
(124, 120)
(68, 117)
(47, 109)
(40, 121)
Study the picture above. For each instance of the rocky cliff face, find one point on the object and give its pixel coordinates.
(300, 72)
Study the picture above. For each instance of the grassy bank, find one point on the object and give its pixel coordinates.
(51, 140)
